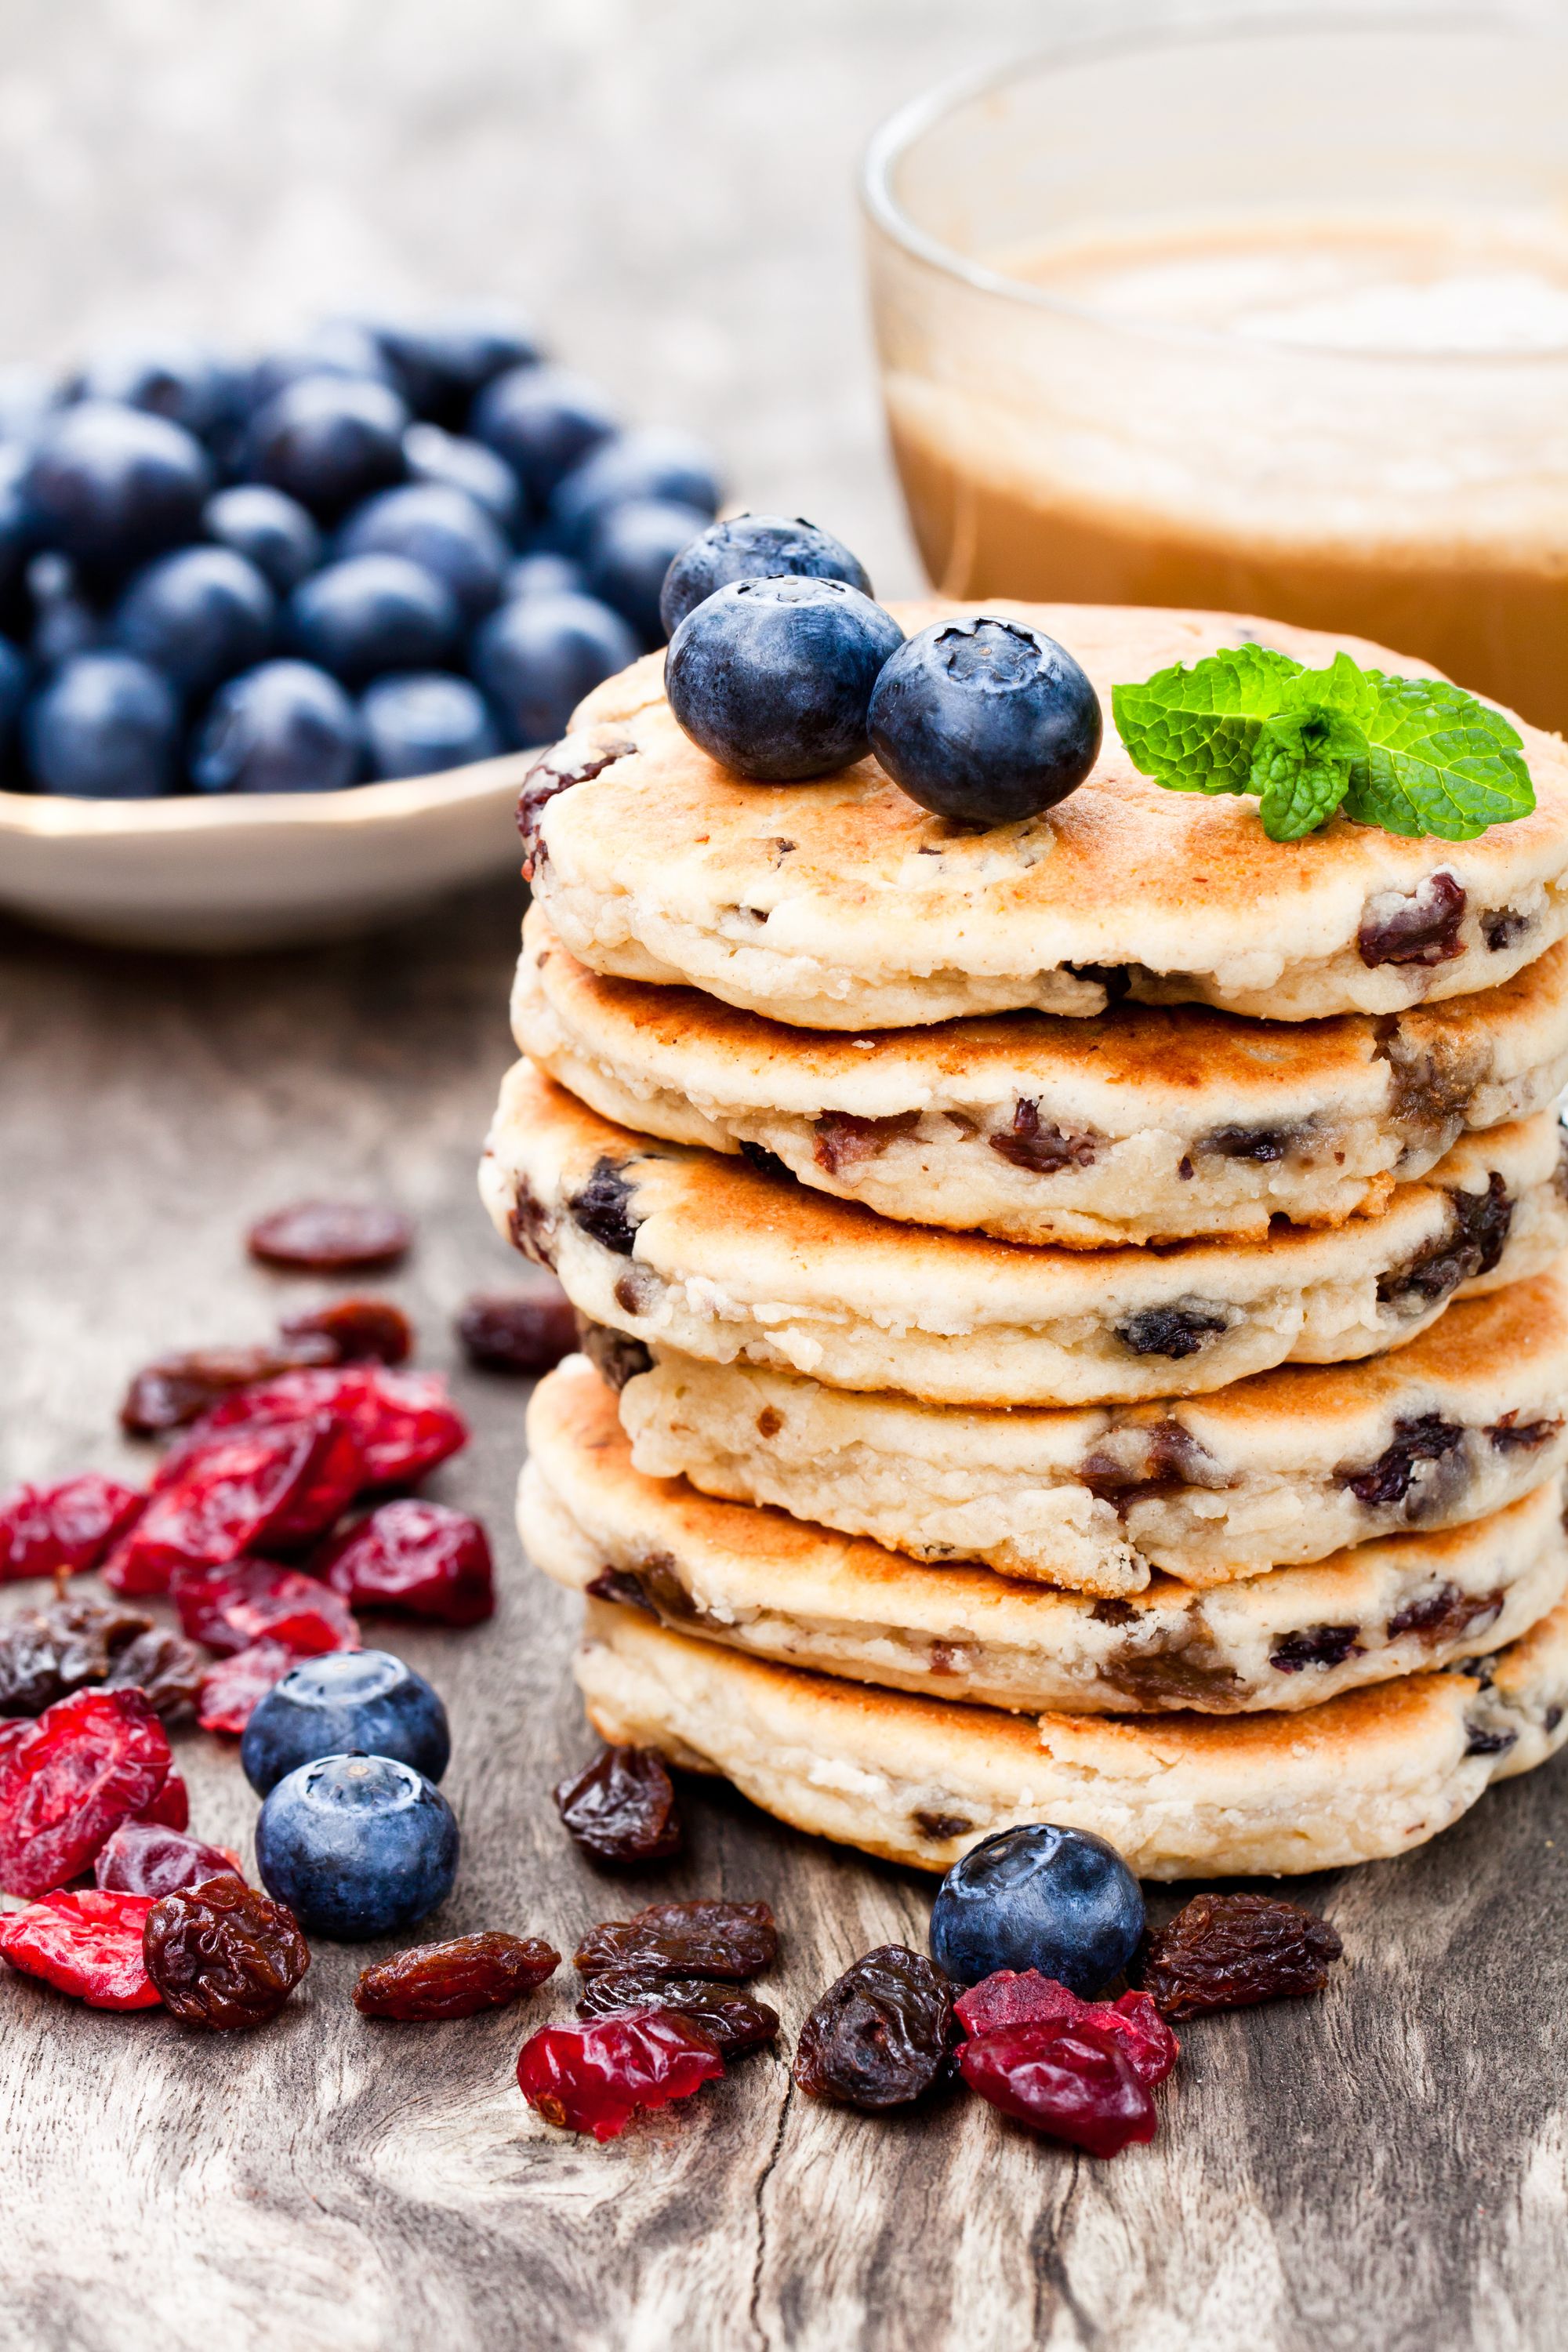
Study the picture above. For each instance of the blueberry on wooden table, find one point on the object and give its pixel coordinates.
(357, 1845)
(270, 529)
(283, 727)
(1037, 1897)
(753, 547)
(985, 721)
(774, 677)
(539, 656)
(364, 1699)
(543, 422)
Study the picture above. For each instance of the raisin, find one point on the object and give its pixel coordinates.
(733, 2019)
(352, 1331)
(942, 1827)
(403, 1423)
(231, 1492)
(224, 1955)
(1173, 1331)
(1229, 1951)
(46, 1653)
(89, 1763)
(145, 1858)
(603, 1208)
(528, 1333)
(174, 1391)
(530, 1224)
(164, 1667)
(1114, 978)
(63, 1528)
(1113, 1612)
(1485, 1219)
(594, 2077)
(455, 1978)
(765, 1163)
(87, 1944)
(1144, 1460)
(844, 1140)
(574, 761)
(1445, 1615)
(1265, 1144)
(1510, 1436)
(228, 1608)
(728, 1941)
(1007, 1999)
(1316, 1646)
(330, 1236)
(622, 1808)
(1486, 1739)
(622, 1586)
(879, 2037)
(1163, 1678)
(1075, 2082)
(614, 1355)
(1502, 926)
(422, 1558)
(233, 1689)
(1426, 1438)
(1421, 928)
(1042, 1151)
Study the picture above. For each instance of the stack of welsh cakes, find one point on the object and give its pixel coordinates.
(1075, 1318)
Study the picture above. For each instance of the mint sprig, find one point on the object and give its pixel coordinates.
(1414, 755)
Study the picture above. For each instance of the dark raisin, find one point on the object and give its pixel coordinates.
(358, 1330)
(47, 1654)
(164, 1667)
(1423, 928)
(622, 1809)
(1551, 1719)
(1426, 1438)
(173, 1391)
(1262, 1143)
(728, 1941)
(530, 1224)
(636, 1290)
(766, 1162)
(1172, 1677)
(603, 1207)
(843, 1141)
(1472, 1245)
(1485, 1219)
(222, 1955)
(1502, 926)
(1316, 1646)
(329, 1236)
(1143, 1460)
(1171, 1331)
(620, 1585)
(1510, 1436)
(733, 2019)
(1041, 1150)
(769, 1421)
(575, 760)
(1445, 1615)
(1229, 1951)
(527, 1333)
(615, 1356)
(455, 1978)
(943, 1826)
(1114, 978)
(879, 2037)
(1113, 1612)
(1485, 1740)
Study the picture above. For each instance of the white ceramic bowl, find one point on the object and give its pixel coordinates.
(219, 873)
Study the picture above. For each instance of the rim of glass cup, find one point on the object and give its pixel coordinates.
(893, 139)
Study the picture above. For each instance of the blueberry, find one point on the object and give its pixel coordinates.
(441, 529)
(753, 547)
(198, 616)
(537, 658)
(13, 689)
(268, 528)
(65, 621)
(176, 379)
(284, 727)
(985, 721)
(341, 348)
(649, 463)
(543, 421)
(423, 722)
(114, 486)
(440, 363)
(363, 1699)
(630, 551)
(104, 728)
(356, 1846)
(544, 574)
(433, 454)
(1061, 1901)
(372, 612)
(17, 539)
(774, 676)
(330, 441)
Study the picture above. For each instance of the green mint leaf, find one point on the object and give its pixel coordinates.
(1196, 731)
(1437, 762)
(1301, 770)
(1341, 687)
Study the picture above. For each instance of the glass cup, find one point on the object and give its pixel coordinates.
(1268, 313)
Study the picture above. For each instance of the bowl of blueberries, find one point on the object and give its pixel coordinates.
(279, 635)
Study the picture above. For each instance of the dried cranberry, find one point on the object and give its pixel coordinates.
(171, 1808)
(87, 1764)
(87, 1944)
(231, 1492)
(405, 1422)
(733, 2019)
(878, 2037)
(1422, 928)
(229, 1607)
(233, 1689)
(526, 1333)
(144, 1858)
(174, 1391)
(456, 1978)
(1008, 1999)
(844, 1139)
(572, 760)
(330, 1236)
(593, 2077)
(1074, 2082)
(729, 1940)
(622, 1808)
(353, 1331)
(222, 1954)
(423, 1559)
(164, 1667)
(46, 1653)
(63, 1528)
(1228, 1951)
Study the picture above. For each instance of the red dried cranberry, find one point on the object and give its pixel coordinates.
(227, 1609)
(421, 1557)
(593, 2077)
(1029, 1999)
(222, 1954)
(173, 1391)
(164, 1666)
(728, 1941)
(622, 1808)
(234, 1688)
(63, 1528)
(353, 1331)
(1074, 2082)
(879, 2037)
(228, 1495)
(404, 1422)
(89, 1763)
(456, 1978)
(330, 1236)
(141, 1858)
(527, 1333)
(1229, 1951)
(87, 1944)
(171, 1808)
